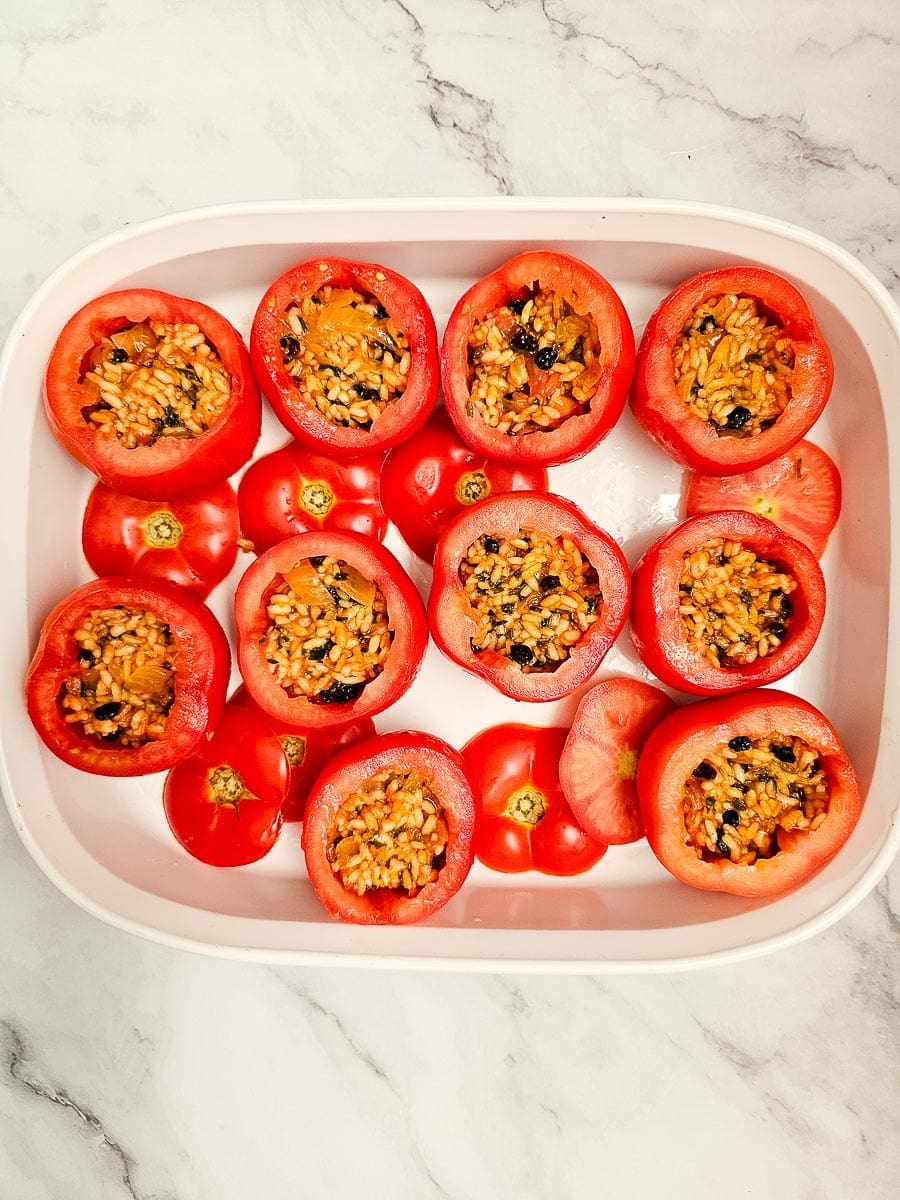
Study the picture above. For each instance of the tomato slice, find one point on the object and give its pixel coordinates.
(766, 370)
(346, 353)
(127, 677)
(749, 794)
(389, 829)
(330, 629)
(528, 594)
(297, 490)
(726, 601)
(800, 491)
(598, 765)
(190, 542)
(308, 751)
(153, 393)
(430, 478)
(536, 360)
(224, 802)
(526, 821)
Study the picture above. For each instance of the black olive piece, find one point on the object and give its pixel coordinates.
(545, 358)
(507, 608)
(705, 770)
(549, 582)
(722, 847)
(521, 654)
(524, 341)
(516, 306)
(381, 313)
(106, 712)
(85, 657)
(166, 631)
(708, 324)
(366, 393)
(738, 417)
(491, 545)
(787, 606)
(118, 355)
(338, 693)
(290, 346)
(784, 754)
(740, 743)
(730, 817)
(776, 629)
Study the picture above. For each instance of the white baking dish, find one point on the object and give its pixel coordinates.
(105, 842)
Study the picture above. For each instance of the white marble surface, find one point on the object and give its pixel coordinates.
(127, 1070)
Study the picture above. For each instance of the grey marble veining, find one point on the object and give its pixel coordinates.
(127, 1070)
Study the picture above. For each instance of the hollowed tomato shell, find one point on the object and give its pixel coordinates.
(656, 626)
(409, 312)
(202, 669)
(456, 793)
(689, 439)
(405, 612)
(590, 295)
(686, 736)
(453, 623)
(171, 466)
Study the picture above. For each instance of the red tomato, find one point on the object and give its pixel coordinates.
(435, 813)
(344, 703)
(457, 626)
(788, 624)
(224, 803)
(272, 338)
(159, 466)
(686, 764)
(183, 680)
(605, 383)
(307, 750)
(526, 822)
(599, 761)
(693, 441)
(429, 479)
(189, 542)
(296, 490)
(800, 492)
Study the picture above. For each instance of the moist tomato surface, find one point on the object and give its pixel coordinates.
(433, 476)
(528, 594)
(127, 677)
(732, 370)
(749, 794)
(726, 601)
(154, 393)
(389, 830)
(346, 353)
(190, 542)
(330, 629)
(537, 359)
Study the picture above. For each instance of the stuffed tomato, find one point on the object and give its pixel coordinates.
(330, 629)
(389, 830)
(346, 353)
(537, 359)
(153, 393)
(127, 677)
(528, 594)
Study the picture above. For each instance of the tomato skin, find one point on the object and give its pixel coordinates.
(589, 293)
(410, 313)
(320, 746)
(405, 609)
(599, 760)
(450, 614)
(271, 497)
(682, 739)
(219, 833)
(172, 466)
(687, 438)
(200, 682)
(800, 491)
(504, 759)
(115, 539)
(421, 476)
(656, 627)
(457, 794)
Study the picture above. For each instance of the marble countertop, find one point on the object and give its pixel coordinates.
(129, 1070)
